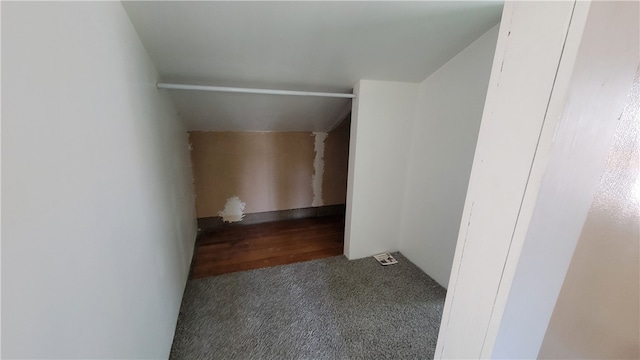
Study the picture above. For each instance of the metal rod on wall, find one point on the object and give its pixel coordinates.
(252, 91)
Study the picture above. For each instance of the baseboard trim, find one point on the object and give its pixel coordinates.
(207, 224)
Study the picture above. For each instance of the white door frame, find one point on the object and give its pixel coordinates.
(547, 124)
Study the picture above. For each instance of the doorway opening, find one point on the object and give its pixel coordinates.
(268, 198)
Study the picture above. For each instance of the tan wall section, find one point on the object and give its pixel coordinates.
(268, 171)
(597, 314)
(336, 164)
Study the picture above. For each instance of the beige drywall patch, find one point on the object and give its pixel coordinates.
(233, 210)
(318, 168)
(268, 171)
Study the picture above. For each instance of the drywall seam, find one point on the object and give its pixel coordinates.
(233, 210)
(318, 167)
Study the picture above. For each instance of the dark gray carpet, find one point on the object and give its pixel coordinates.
(322, 309)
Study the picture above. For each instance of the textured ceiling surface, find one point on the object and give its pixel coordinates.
(309, 46)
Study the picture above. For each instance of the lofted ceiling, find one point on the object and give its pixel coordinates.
(308, 46)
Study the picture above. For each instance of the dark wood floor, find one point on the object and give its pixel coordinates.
(238, 248)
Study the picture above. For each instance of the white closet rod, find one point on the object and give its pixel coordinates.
(252, 91)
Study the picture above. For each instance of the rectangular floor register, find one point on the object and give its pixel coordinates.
(385, 259)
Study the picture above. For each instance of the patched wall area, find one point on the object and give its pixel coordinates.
(268, 171)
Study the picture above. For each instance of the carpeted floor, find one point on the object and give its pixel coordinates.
(322, 309)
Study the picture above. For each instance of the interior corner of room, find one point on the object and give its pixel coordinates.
(201, 179)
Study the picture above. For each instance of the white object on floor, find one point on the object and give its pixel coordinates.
(385, 259)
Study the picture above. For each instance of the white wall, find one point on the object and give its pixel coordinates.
(380, 128)
(546, 124)
(529, 48)
(444, 135)
(600, 295)
(600, 77)
(410, 156)
(98, 221)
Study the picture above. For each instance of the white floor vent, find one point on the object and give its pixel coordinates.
(385, 259)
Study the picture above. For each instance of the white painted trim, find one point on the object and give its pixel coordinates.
(538, 167)
(559, 79)
(597, 70)
(353, 138)
(530, 44)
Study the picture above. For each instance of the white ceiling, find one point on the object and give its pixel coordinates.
(309, 46)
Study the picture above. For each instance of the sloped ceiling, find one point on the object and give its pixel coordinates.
(309, 46)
